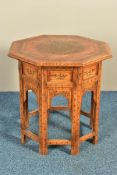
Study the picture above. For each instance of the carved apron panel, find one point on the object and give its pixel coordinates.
(59, 75)
(66, 92)
(90, 77)
(30, 70)
(90, 71)
(30, 77)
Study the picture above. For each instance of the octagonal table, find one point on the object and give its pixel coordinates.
(51, 65)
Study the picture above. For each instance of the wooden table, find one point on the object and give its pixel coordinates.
(51, 65)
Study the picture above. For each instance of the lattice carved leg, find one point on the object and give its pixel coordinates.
(43, 114)
(92, 109)
(22, 113)
(76, 107)
(96, 101)
(95, 122)
(26, 109)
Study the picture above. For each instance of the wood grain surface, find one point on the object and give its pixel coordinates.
(59, 50)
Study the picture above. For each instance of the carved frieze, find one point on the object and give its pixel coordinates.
(59, 75)
(30, 70)
(89, 72)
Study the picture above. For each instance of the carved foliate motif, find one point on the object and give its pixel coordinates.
(90, 72)
(30, 70)
(60, 75)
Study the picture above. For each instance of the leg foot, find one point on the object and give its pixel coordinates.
(23, 139)
(95, 140)
(74, 151)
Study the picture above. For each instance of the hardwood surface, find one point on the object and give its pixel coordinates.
(59, 50)
(59, 65)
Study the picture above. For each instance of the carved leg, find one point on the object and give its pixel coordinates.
(92, 109)
(22, 118)
(96, 99)
(96, 115)
(70, 107)
(26, 110)
(22, 114)
(43, 114)
(76, 105)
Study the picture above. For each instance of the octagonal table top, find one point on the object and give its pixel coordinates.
(59, 50)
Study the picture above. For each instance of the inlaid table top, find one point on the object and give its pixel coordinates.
(59, 50)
